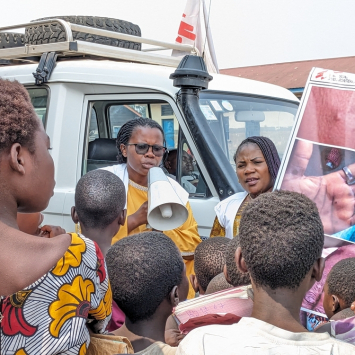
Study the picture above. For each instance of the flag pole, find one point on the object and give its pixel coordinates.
(209, 34)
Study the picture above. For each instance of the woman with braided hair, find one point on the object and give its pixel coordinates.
(257, 164)
(141, 145)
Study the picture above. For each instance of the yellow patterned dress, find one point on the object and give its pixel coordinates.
(219, 231)
(52, 315)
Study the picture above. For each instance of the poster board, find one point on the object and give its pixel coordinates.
(320, 158)
(320, 163)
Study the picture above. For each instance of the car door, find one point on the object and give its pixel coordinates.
(103, 116)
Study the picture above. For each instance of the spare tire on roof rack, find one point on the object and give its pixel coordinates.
(54, 32)
(11, 39)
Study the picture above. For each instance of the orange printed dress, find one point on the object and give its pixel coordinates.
(52, 315)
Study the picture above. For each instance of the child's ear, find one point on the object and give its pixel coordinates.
(122, 217)
(318, 268)
(194, 283)
(241, 265)
(74, 215)
(335, 304)
(174, 296)
(17, 158)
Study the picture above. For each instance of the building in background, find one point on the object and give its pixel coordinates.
(292, 75)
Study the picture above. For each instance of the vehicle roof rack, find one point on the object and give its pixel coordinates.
(70, 48)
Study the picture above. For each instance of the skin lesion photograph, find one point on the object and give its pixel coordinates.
(327, 176)
(329, 117)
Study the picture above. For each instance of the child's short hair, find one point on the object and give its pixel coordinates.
(18, 119)
(236, 277)
(341, 281)
(100, 196)
(143, 269)
(210, 257)
(218, 283)
(281, 237)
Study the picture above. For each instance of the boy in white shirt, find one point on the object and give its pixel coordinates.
(281, 242)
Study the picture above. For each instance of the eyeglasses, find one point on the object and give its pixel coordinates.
(142, 148)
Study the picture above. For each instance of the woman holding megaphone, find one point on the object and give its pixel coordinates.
(141, 146)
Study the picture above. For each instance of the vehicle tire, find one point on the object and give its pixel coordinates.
(11, 40)
(54, 32)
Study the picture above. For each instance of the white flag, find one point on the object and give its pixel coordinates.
(190, 32)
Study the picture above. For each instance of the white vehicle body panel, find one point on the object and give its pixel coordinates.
(74, 84)
(152, 77)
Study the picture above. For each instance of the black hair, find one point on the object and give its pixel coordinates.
(125, 133)
(100, 197)
(143, 269)
(281, 236)
(341, 281)
(210, 259)
(218, 283)
(236, 277)
(172, 152)
(269, 151)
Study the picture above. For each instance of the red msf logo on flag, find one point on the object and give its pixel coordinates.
(185, 30)
(190, 33)
(190, 26)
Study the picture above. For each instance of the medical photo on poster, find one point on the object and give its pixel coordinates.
(320, 161)
(319, 172)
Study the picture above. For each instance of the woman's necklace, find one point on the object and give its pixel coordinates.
(137, 186)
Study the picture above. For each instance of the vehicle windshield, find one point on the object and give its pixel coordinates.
(232, 118)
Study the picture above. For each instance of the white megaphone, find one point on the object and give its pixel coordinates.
(165, 209)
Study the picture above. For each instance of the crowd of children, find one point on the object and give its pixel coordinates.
(121, 298)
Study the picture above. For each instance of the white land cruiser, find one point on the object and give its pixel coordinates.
(92, 77)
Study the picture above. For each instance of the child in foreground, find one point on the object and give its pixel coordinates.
(339, 290)
(281, 242)
(232, 274)
(209, 262)
(210, 257)
(148, 279)
(339, 293)
(51, 291)
(100, 200)
(218, 283)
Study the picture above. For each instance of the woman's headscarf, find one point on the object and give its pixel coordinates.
(269, 151)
